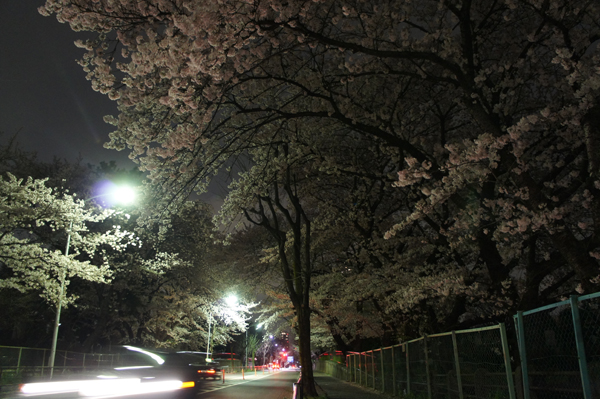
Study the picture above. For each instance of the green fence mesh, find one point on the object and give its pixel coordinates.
(429, 366)
(417, 369)
(481, 360)
(555, 368)
(552, 360)
(388, 369)
(589, 312)
(401, 373)
(442, 367)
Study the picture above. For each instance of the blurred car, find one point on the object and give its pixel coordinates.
(145, 374)
(211, 370)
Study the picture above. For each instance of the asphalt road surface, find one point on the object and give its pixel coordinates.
(277, 385)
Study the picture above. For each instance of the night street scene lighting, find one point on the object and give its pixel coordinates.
(116, 194)
(231, 302)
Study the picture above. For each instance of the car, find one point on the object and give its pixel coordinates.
(144, 373)
(128, 384)
(212, 369)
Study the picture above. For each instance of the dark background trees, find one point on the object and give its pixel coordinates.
(161, 287)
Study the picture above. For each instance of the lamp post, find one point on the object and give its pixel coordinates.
(208, 359)
(231, 301)
(122, 194)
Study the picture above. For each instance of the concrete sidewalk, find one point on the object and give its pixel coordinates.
(333, 388)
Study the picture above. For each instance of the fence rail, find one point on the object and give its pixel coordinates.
(461, 364)
(34, 361)
(559, 347)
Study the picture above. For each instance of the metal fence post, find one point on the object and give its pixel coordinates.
(583, 370)
(457, 366)
(382, 373)
(19, 359)
(427, 366)
(373, 367)
(407, 369)
(507, 366)
(43, 361)
(523, 354)
(393, 371)
(360, 371)
(350, 368)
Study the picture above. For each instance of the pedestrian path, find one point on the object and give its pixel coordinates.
(333, 388)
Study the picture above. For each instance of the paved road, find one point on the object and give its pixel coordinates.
(262, 386)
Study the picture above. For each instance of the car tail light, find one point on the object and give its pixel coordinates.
(207, 371)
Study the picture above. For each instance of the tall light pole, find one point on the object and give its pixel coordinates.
(122, 194)
(208, 358)
(231, 301)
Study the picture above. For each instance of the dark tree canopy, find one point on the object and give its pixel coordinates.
(484, 113)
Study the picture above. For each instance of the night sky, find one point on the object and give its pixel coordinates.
(43, 91)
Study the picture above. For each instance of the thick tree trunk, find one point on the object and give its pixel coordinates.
(308, 379)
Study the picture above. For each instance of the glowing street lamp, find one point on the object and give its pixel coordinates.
(121, 194)
(231, 302)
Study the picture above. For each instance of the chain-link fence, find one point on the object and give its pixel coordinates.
(560, 349)
(17, 362)
(462, 364)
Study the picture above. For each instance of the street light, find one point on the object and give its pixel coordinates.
(231, 301)
(258, 327)
(122, 194)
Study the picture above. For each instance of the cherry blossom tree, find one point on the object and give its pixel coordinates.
(163, 294)
(31, 263)
(158, 294)
(488, 109)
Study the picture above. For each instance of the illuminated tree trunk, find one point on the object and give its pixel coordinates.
(282, 214)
